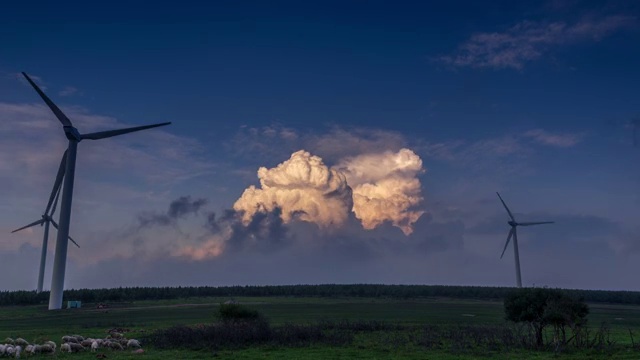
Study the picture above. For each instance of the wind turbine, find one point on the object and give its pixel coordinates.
(74, 137)
(48, 219)
(513, 232)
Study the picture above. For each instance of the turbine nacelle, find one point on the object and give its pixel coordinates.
(72, 133)
(512, 223)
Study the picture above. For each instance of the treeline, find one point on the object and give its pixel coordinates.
(126, 294)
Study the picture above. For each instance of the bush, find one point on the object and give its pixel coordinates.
(236, 312)
(541, 307)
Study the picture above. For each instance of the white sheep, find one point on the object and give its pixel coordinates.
(115, 346)
(10, 350)
(2, 349)
(8, 341)
(18, 350)
(69, 339)
(29, 349)
(51, 343)
(133, 343)
(21, 342)
(94, 346)
(86, 342)
(76, 347)
(46, 349)
(65, 347)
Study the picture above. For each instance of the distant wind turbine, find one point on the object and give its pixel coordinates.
(513, 232)
(48, 218)
(74, 137)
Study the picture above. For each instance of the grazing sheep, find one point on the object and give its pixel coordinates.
(8, 341)
(86, 343)
(2, 349)
(115, 346)
(51, 343)
(94, 346)
(65, 347)
(76, 347)
(18, 350)
(29, 349)
(133, 343)
(10, 350)
(78, 337)
(45, 349)
(69, 339)
(21, 342)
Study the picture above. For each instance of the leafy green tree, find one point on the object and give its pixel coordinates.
(541, 307)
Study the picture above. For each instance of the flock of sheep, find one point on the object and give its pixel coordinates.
(70, 343)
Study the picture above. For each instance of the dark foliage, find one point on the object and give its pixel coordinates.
(237, 312)
(541, 307)
(356, 290)
(239, 334)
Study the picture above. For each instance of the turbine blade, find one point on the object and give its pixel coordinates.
(505, 206)
(106, 134)
(56, 185)
(55, 202)
(508, 239)
(59, 114)
(56, 226)
(30, 225)
(536, 223)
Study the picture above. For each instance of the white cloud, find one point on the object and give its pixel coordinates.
(302, 187)
(385, 188)
(557, 140)
(529, 40)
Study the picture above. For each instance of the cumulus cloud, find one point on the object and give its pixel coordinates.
(377, 187)
(529, 40)
(385, 188)
(302, 187)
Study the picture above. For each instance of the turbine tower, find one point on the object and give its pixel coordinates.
(74, 137)
(48, 219)
(513, 232)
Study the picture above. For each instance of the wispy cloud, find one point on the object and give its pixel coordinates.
(529, 40)
(178, 208)
(68, 91)
(336, 142)
(557, 140)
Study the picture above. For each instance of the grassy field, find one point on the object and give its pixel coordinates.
(35, 323)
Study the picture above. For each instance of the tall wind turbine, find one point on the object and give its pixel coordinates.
(513, 232)
(74, 137)
(48, 219)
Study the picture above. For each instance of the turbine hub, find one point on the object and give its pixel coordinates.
(512, 223)
(72, 133)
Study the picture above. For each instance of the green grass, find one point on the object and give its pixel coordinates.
(35, 323)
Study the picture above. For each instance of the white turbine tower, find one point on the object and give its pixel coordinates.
(74, 137)
(513, 232)
(47, 218)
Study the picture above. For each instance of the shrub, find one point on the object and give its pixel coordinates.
(236, 312)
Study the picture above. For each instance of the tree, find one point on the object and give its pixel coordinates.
(541, 307)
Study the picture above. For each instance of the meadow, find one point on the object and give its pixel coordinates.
(406, 318)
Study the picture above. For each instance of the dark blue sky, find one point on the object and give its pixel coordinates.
(533, 99)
